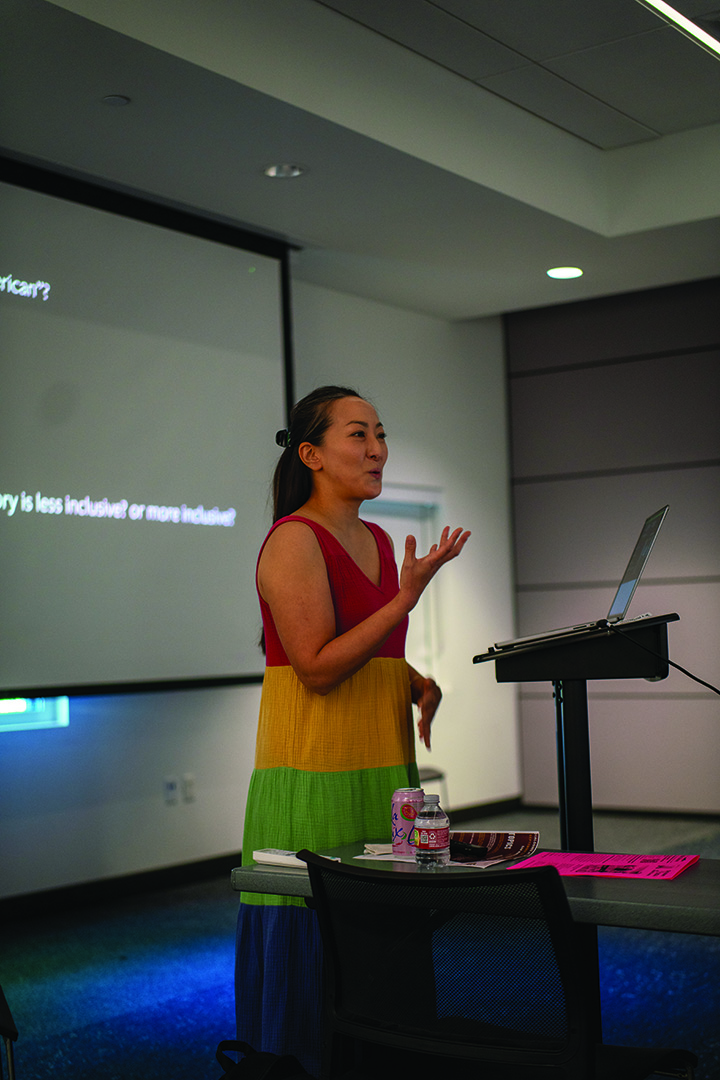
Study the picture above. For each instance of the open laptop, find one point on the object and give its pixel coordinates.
(625, 590)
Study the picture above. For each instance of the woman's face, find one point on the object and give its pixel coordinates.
(353, 452)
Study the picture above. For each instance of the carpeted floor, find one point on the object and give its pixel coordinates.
(134, 990)
(142, 988)
(657, 989)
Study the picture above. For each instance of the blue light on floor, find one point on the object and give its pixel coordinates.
(661, 989)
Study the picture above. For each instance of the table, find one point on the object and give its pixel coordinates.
(689, 904)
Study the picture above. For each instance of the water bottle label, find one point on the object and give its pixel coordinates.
(432, 839)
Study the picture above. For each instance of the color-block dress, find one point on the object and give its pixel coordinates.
(325, 771)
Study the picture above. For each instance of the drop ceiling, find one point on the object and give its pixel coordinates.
(453, 150)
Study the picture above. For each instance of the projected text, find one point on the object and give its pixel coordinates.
(31, 289)
(12, 505)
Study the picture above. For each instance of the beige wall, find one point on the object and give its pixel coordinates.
(86, 802)
(440, 389)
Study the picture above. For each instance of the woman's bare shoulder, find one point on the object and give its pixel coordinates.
(291, 548)
(290, 534)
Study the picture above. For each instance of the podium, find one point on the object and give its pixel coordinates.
(633, 650)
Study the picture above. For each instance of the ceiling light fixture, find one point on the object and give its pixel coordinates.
(563, 273)
(284, 172)
(116, 100)
(685, 25)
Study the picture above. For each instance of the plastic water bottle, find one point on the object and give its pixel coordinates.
(432, 835)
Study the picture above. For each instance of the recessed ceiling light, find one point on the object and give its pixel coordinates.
(284, 172)
(564, 272)
(116, 99)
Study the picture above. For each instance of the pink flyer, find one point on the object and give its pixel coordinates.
(600, 864)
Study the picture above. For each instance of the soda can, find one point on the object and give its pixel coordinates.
(406, 805)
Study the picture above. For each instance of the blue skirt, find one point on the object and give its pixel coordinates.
(278, 981)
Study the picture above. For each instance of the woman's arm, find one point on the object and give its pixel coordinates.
(426, 694)
(293, 581)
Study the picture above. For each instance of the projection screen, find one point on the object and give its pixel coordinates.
(143, 374)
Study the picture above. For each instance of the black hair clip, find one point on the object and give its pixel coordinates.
(282, 438)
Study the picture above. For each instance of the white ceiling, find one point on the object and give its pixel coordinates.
(455, 149)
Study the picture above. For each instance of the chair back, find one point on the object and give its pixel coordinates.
(474, 965)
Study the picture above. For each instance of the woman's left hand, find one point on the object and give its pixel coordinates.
(426, 694)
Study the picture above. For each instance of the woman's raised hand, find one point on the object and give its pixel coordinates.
(416, 573)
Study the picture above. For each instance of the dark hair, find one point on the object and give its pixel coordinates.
(292, 480)
(309, 420)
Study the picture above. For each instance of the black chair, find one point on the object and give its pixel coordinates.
(472, 974)
(9, 1034)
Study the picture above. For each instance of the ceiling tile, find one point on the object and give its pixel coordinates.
(694, 9)
(546, 95)
(542, 28)
(661, 79)
(433, 33)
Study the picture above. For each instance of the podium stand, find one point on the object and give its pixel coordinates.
(633, 650)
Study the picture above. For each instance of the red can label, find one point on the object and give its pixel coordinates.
(406, 805)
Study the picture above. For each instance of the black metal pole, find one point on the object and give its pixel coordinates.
(576, 823)
(573, 756)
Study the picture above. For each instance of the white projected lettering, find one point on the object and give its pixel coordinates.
(113, 510)
(101, 508)
(31, 289)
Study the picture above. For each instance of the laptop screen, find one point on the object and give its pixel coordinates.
(635, 567)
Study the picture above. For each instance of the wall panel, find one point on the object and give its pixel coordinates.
(617, 418)
(642, 759)
(584, 530)
(637, 414)
(649, 323)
